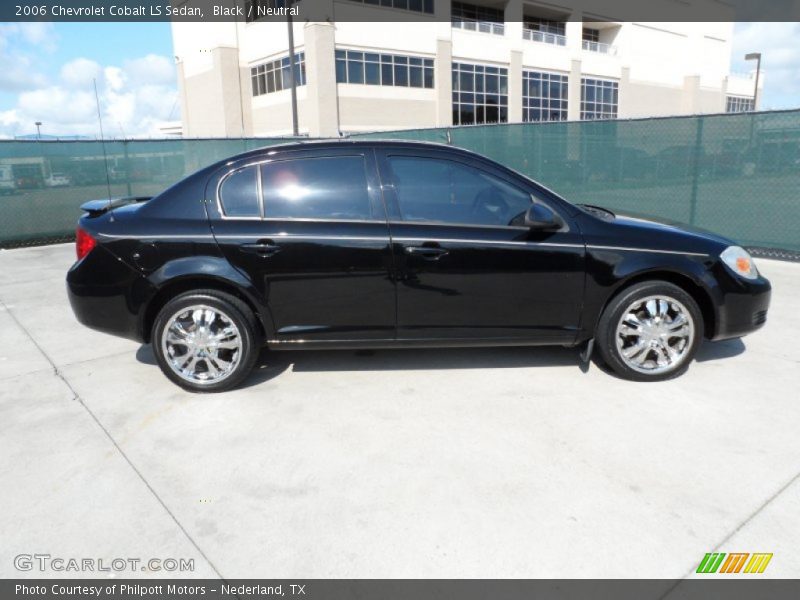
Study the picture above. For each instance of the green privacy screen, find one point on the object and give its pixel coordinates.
(738, 175)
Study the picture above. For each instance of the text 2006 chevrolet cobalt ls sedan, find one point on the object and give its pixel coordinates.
(397, 244)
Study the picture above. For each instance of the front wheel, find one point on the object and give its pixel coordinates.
(206, 340)
(650, 331)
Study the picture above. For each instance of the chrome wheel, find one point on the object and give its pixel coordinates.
(655, 334)
(202, 344)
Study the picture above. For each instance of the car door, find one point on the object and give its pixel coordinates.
(466, 267)
(309, 229)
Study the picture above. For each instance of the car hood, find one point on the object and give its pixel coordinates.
(668, 225)
(661, 233)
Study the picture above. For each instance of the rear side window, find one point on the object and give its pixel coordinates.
(333, 187)
(239, 194)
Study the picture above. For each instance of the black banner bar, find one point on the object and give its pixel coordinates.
(381, 10)
(712, 588)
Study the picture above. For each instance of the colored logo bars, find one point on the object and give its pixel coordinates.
(716, 562)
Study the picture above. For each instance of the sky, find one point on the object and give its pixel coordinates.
(46, 73)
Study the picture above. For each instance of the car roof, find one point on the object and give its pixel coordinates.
(344, 142)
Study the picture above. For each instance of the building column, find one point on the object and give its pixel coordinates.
(574, 33)
(624, 93)
(574, 104)
(226, 67)
(321, 107)
(690, 103)
(515, 87)
(185, 127)
(444, 83)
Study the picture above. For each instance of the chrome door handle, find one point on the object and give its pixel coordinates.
(262, 248)
(426, 252)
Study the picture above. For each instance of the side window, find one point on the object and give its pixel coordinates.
(333, 187)
(239, 194)
(432, 189)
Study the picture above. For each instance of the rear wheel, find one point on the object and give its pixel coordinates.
(650, 331)
(206, 340)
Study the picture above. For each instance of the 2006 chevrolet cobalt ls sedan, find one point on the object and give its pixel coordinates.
(397, 244)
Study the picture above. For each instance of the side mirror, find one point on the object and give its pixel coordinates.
(541, 218)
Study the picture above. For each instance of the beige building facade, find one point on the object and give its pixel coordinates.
(463, 63)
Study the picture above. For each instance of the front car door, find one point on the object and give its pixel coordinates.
(466, 267)
(309, 229)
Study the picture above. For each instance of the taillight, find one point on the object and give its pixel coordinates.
(83, 243)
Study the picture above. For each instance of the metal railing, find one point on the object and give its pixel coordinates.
(480, 26)
(544, 38)
(599, 47)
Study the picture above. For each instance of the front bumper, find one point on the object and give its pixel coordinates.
(742, 308)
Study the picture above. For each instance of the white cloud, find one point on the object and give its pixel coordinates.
(151, 69)
(80, 72)
(135, 96)
(17, 69)
(135, 99)
(780, 51)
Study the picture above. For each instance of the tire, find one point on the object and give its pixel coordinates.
(650, 331)
(217, 330)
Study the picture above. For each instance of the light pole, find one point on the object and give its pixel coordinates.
(38, 130)
(293, 83)
(757, 57)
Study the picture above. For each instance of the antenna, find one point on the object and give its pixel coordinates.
(102, 140)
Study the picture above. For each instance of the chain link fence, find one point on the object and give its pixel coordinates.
(738, 175)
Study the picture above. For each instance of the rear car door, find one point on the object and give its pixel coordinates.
(467, 268)
(309, 230)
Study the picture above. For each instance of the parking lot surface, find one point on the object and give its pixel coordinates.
(476, 463)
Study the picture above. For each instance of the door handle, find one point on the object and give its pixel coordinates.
(426, 252)
(261, 247)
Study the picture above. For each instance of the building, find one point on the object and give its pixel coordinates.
(466, 63)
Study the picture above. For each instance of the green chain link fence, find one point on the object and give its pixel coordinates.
(738, 175)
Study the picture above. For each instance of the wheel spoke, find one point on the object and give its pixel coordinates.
(212, 369)
(633, 351)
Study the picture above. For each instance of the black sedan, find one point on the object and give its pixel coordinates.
(348, 244)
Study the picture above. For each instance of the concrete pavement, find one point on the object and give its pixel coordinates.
(476, 463)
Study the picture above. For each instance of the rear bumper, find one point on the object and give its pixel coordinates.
(743, 308)
(100, 291)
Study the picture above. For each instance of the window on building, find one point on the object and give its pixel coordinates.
(477, 18)
(599, 99)
(545, 25)
(239, 194)
(480, 94)
(369, 68)
(591, 35)
(738, 104)
(331, 188)
(275, 76)
(420, 6)
(255, 10)
(445, 191)
(544, 96)
(544, 30)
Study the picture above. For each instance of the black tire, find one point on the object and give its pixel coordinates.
(234, 309)
(606, 333)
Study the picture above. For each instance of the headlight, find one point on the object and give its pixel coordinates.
(740, 262)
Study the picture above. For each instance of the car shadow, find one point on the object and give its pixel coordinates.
(717, 350)
(272, 363)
